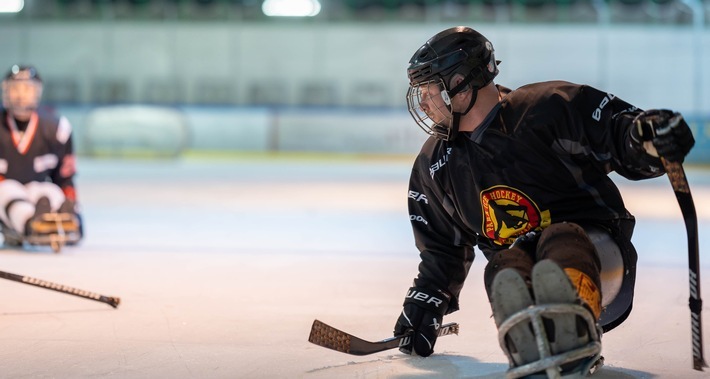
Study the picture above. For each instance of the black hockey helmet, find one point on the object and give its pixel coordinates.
(21, 91)
(458, 50)
(22, 72)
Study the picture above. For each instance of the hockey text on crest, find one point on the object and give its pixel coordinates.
(509, 213)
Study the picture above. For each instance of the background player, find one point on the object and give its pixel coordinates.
(37, 164)
(523, 175)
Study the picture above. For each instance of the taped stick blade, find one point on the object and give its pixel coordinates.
(325, 335)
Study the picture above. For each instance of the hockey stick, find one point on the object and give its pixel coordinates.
(331, 338)
(679, 181)
(112, 301)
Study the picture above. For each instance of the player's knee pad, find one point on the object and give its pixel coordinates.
(569, 246)
(514, 258)
(11, 190)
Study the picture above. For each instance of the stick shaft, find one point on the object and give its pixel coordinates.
(112, 301)
(679, 181)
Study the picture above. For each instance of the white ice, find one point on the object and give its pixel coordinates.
(222, 266)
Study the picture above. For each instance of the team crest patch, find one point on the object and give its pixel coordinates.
(509, 213)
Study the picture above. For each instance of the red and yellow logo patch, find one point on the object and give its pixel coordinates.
(509, 213)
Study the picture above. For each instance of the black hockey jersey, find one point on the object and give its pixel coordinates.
(541, 156)
(43, 151)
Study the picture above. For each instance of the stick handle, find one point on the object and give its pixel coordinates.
(676, 175)
(112, 301)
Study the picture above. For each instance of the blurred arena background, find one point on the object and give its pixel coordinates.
(170, 77)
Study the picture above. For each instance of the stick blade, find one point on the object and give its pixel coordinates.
(113, 301)
(327, 336)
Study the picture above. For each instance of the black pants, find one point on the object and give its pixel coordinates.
(565, 243)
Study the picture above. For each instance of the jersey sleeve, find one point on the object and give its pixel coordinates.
(446, 254)
(63, 175)
(602, 133)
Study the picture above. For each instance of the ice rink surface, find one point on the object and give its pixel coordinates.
(222, 266)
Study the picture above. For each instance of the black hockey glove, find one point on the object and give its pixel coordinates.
(423, 313)
(662, 133)
(527, 242)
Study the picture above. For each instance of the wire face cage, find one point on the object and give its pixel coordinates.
(429, 105)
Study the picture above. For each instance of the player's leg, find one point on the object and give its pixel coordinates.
(549, 331)
(54, 217)
(507, 282)
(16, 208)
(568, 245)
(38, 190)
(515, 258)
(568, 272)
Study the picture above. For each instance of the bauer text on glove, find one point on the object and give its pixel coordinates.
(422, 314)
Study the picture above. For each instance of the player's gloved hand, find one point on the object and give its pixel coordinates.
(527, 242)
(662, 133)
(422, 314)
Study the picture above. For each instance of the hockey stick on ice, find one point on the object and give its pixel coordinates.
(676, 174)
(112, 301)
(331, 338)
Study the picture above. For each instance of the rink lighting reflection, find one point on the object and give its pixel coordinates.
(11, 6)
(291, 8)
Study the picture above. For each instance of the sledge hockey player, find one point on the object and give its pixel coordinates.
(522, 174)
(37, 167)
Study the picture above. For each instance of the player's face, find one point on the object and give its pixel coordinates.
(21, 97)
(429, 104)
(433, 104)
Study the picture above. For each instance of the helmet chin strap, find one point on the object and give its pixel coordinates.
(454, 130)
